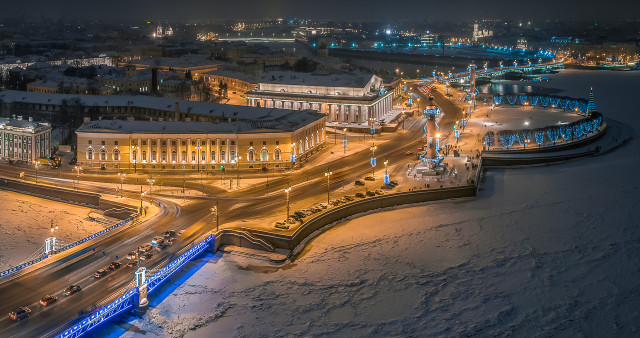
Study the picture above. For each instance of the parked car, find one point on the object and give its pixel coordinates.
(370, 193)
(114, 266)
(369, 178)
(300, 214)
(343, 200)
(379, 192)
(145, 247)
(408, 152)
(360, 195)
(348, 198)
(146, 256)
(281, 225)
(358, 182)
(157, 240)
(171, 240)
(170, 233)
(322, 206)
(131, 265)
(20, 313)
(48, 299)
(100, 273)
(393, 183)
(132, 255)
(71, 289)
(386, 187)
(290, 220)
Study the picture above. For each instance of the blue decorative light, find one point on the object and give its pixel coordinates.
(539, 135)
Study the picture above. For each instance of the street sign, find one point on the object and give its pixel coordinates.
(372, 130)
(344, 142)
(464, 122)
(404, 88)
(293, 157)
(373, 161)
(457, 132)
(410, 101)
(386, 179)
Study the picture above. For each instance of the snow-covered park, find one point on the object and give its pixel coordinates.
(25, 223)
(542, 251)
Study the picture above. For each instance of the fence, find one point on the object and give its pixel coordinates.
(130, 299)
(66, 247)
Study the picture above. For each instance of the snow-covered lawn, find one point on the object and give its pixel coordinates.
(542, 251)
(25, 223)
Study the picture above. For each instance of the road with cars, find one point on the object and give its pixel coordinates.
(190, 222)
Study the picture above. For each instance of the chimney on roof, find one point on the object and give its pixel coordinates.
(86, 120)
(30, 119)
(13, 116)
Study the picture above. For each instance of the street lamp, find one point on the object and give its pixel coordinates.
(386, 173)
(373, 156)
(122, 175)
(198, 147)
(238, 172)
(36, 164)
(141, 196)
(77, 169)
(287, 191)
(328, 174)
(344, 140)
(150, 180)
(214, 211)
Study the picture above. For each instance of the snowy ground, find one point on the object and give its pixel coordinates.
(25, 222)
(542, 251)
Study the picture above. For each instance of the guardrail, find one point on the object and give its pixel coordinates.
(66, 247)
(129, 301)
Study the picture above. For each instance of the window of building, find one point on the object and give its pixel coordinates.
(184, 156)
(90, 142)
(116, 155)
(213, 156)
(277, 143)
(222, 156)
(276, 155)
(265, 155)
(153, 156)
(224, 143)
(264, 143)
(193, 156)
(184, 143)
(144, 156)
(203, 156)
(174, 156)
(103, 143)
(144, 143)
(164, 156)
(115, 142)
(173, 143)
(135, 156)
(250, 155)
(251, 143)
(103, 154)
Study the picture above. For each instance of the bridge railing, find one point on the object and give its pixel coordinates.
(129, 300)
(39, 259)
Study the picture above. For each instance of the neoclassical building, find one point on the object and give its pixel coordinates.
(273, 139)
(24, 140)
(344, 98)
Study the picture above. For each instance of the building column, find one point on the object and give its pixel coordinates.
(189, 150)
(168, 151)
(138, 151)
(158, 151)
(148, 159)
(218, 158)
(227, 154)
(179, 151)
(208, 154)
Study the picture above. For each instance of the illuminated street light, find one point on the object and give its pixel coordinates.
(36, 164)
(344, 140)
(135, 159)
(122, 175)
(150, 180)
(328, 174)
(373, 159)
(238, 172)
(287, 191)
(214, 211)
(77, 169)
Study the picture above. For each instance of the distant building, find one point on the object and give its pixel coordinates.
(254, 138)
(195, 64)
(343, 97)
(235, 81)
(479, 32)
(429, 40)
(521, 43)
(24, 140)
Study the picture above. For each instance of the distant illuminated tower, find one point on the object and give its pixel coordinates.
(472, 88)
(591, 107)
(168, 31)
(159, 31)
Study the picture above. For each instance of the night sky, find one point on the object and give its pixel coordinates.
(323, 9)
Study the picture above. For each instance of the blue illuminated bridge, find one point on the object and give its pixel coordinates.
(501, 69)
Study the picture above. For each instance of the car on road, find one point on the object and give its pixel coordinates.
(146, 256)
(386, 187)
(379, 192)
(370, 193)
(290, 220)
(321, 206)
(393, 183)
(369, 178)
(281, 225)
(171, 240)
(114, 265)
(145, 247)
(132, 255)
(343, 200)
(348, 198)
(360, 195)
(48, 299)
(170, 233)
(20, 313)
(71, 289)
(358, 182)
(100, 273)
(408, 152)
(157, 240)
(300, 214)
(131, 265)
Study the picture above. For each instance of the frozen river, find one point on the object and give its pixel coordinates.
(542, 251)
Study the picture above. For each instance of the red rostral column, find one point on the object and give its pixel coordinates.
(430, 113)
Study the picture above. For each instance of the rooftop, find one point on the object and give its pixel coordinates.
(347, 79)
(184, 61)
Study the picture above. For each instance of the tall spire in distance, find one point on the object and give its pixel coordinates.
(591, 107)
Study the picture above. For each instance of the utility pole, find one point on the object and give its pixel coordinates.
(287, 191)
(328, 174)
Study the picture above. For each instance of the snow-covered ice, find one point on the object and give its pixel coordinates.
(542, 251)
(25, 223)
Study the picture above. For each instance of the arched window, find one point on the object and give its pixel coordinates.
(250, 155)
(213, 156)
(306, 143)
(276, 155)
(265, 155)
(153, 156)
(193, 156)
(184, 156)
(164, 156)
(203, 156)
(300, 148)
(223, 157)
(90, 154)
(174, 156)
(144, 156)
(103, 154)
(116, 154)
